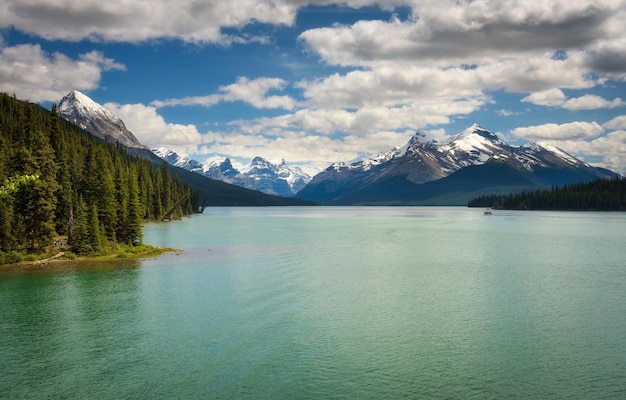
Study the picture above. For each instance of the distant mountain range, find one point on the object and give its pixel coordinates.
(476, 162)
(80, 110)
(260, 174)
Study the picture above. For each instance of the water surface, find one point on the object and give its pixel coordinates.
(369, 302)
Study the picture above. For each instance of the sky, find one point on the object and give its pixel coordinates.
(318, 82)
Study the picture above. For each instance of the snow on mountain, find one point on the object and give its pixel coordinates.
(421, 161)
(261, 174)
(82, 111)
(78, 104)
(176, 160)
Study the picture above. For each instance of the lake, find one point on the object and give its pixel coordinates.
(323, 302)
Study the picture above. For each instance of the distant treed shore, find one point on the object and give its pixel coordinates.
(600, 195)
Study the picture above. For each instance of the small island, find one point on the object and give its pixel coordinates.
(596, 195)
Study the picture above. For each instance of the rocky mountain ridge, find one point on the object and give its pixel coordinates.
(82, 111)
(422, 162)
(261, 174)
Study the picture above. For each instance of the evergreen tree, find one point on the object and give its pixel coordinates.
(133, 228)
(36, 201)
(7, 241)
(94, 229)
(80, 242)
(57, 180)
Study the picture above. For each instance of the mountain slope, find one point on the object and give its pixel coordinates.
(82, 111)
(475, 162)
(93, 118)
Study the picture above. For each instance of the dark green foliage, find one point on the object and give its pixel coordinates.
(600, 194)
(57, 180)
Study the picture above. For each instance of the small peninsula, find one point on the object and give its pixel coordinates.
(65, 194)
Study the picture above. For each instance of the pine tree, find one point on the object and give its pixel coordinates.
(122, 199)
(133, 228)
(80, 242)
(60, 180)
(7, 240)
(36, 202)
(94, 229)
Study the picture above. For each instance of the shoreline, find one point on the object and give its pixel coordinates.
(59, 260)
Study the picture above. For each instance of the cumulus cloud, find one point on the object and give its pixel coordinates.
(133, 21)
(472, 47)
(390, 86)
(591, 102)
(550, 98)
(556, 98)
(251, 91)
(585, 140)
(33, 74)
(312, 151)
(454, 32)
(609, 57)
(568, 131)
(363, 121)
(610, 148)
(153, 131)
(616, 123)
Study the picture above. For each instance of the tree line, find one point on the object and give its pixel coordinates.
(56, 181)
(600, 195)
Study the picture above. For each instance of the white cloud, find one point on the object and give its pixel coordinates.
(152, 130)
(556, 98)
(387, 86)
(610, 148)
(550, 98)
(135, 21)
(33, 74)
(568, 131)
(314, 152)
(363, 121)
(448, 32)
(616, 123)
(585, 140)
(251, 91)
(591, 102)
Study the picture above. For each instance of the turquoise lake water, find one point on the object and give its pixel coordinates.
(331, 303)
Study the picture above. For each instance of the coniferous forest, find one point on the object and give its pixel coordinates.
(60, 184)
(597, 195)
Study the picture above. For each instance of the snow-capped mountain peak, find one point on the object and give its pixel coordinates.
(476, 137)
(78, 104)
(475, 160)
(530, 155)
(79, 109)
(261, 174)
(474, 146)
(176, 160)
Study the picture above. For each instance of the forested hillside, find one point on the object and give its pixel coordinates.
(600, 194)
(58, 181)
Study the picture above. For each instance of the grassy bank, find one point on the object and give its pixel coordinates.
(58, 254)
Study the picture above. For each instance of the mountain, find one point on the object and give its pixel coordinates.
(261, 174)
(82, 111)
(177, 161)
(278, 179)
(78, 109)
(474, 163)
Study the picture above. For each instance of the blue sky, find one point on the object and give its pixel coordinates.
(317, 82)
